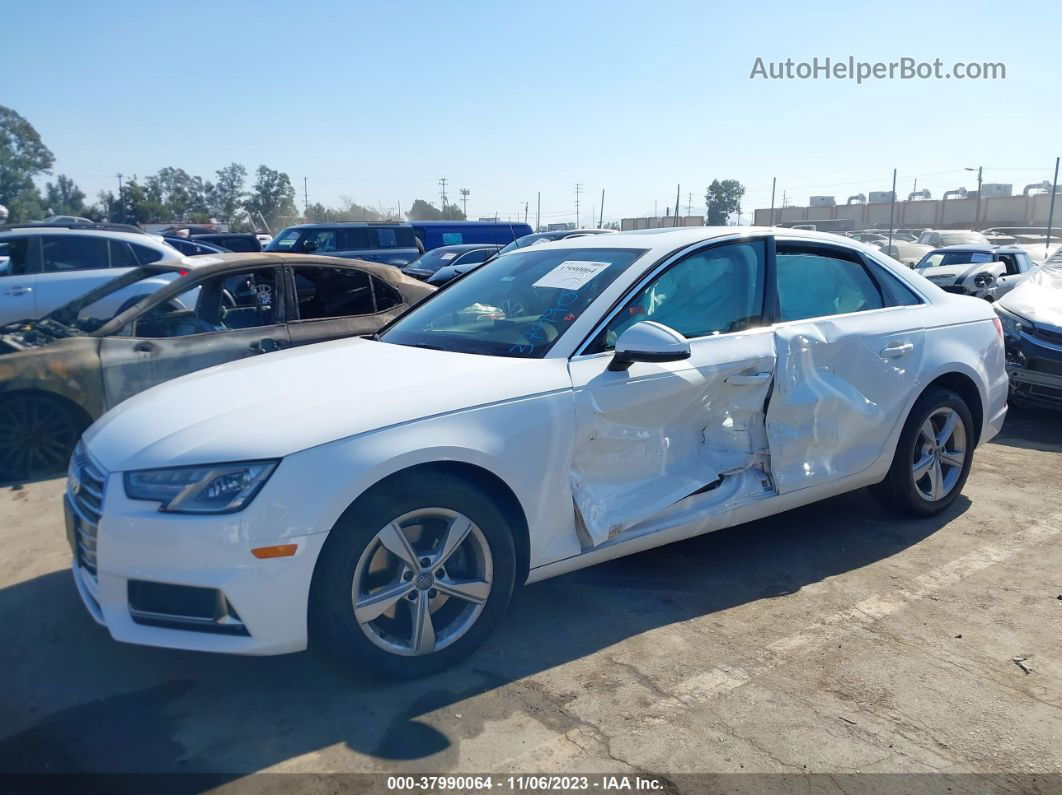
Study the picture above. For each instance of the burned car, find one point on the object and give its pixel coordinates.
(61, 372)
(1031, 315)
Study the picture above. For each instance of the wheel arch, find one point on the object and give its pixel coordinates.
(75, 408)
(488, 481)
(966, 388)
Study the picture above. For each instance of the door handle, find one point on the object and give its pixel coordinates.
(267, 345)
(144, 347)
(892, 351)
(747, 379)
(18, 290)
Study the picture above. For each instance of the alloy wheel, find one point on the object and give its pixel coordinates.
(939, 454)
(36, 437)
(422, 581)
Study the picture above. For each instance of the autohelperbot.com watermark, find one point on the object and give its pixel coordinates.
(863, 71)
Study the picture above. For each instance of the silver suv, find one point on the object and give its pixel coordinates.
(44, 266)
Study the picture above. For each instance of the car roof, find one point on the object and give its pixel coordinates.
(347, 223)
(466, 247)
(140, 238)
(976, 248)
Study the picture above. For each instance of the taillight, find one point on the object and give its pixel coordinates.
(999, 327)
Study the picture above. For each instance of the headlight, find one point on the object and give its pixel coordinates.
(1011, 323)
(214, 488)
(984, 279)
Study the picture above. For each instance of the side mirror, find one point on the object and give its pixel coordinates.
(309, 246)
(648, 341)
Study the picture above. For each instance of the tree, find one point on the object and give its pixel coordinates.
(272, 197)
(64, 197)
(424, 211)
(182, 196)
(350, 211)
(22, 157)
(722, 200)
(225, 198)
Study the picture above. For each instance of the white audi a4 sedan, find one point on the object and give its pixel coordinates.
(562, 405)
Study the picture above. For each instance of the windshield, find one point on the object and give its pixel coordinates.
(942, 258)
(515, 305)
(96, 307)
(434, 259)
(285, 241)
(958, 238)
(529, 240)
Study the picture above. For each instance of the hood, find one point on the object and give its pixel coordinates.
(1038, 298)
(280, 403)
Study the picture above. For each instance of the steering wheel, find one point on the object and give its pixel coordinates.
(227, 299)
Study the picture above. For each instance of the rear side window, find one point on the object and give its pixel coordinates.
(122, 255)
(332, 292)
(64, 253)
(387, 296)
(473, 257)
(146, 255)
(353, 239)
(386, 238)
(820, 281)
(13, 256)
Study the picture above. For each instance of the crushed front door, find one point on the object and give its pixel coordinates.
(649, 437)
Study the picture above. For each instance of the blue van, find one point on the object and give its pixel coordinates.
(386, 243)
(433, 234)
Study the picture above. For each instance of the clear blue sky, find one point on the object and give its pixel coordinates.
(378, 101)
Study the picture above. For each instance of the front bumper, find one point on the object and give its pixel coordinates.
(262, 603)
(1034, 365)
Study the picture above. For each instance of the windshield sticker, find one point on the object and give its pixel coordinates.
(572, 274)
(446, 257)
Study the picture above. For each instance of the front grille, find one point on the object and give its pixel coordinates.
(85, 487)
(1040, 333)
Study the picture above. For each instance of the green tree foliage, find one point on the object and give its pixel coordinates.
(424, 211)
(225, 198)
(64, 197)
(272, 197)
(182, 196)
(722, 200)
(22, 157)
(349, 212)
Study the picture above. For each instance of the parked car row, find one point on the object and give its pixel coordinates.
(566, 403)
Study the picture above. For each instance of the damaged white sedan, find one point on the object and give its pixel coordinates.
(563, 405)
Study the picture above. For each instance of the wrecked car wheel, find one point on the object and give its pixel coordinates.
(412, 579)
(933, 456)
(37, 435)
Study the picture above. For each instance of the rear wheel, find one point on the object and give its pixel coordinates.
(414, 578)
(933, 456)
(38, 433)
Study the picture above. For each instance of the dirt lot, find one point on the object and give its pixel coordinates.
(829, 639)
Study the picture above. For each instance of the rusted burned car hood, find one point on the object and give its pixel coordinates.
(272, 406)
(1038, 298)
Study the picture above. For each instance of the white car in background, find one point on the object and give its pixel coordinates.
(384, 496)
(986, 272)
(44, 266)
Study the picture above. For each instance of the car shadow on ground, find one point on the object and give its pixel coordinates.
(110, 707)
(1032, 428)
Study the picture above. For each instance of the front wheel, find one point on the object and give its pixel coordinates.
(933, 456)
(38, 433)
(413, 578)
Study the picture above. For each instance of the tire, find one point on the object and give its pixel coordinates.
(38, 433)
(357, 563)
(910, 494)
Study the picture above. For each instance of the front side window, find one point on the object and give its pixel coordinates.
(715, 291)
(226, 302)
(13, 256)
(63, 253)
(516, 305)
(285, 241)
(324, 238)
(332, 292)
(353, 239)
(819, 282)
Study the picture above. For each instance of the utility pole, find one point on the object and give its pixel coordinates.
(689, 204)
(892, 210)
(979, 171)
(464, 202)
(525, 212)
(442, 193)
(1051, 212)
(538, 212)
(677, 189)
(774, 183)
(121, 198)
(578, 190)
(399, 209)
(656, 210)
(601, 216)
(305, 198)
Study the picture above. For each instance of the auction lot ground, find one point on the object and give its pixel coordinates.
(829, 639)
